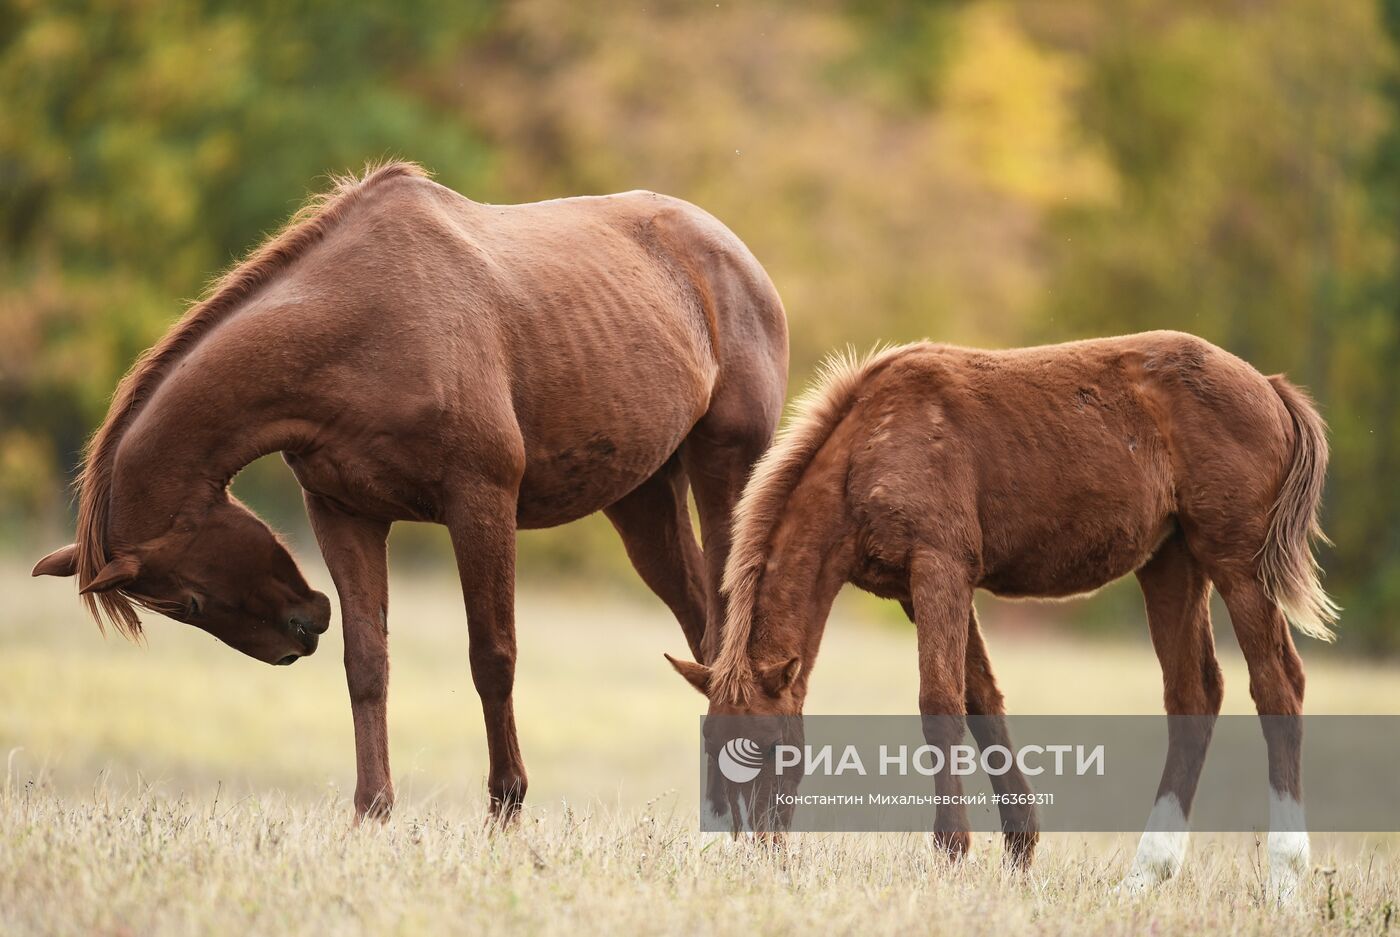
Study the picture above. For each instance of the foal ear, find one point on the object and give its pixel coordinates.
(61, 562)
(114, 575)
(697, 675)
(775, 678)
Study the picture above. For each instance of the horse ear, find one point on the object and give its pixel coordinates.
(775, 678)
(114, 575)
(61, 562)
(697, 675)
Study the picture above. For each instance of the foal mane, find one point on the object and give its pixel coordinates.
(307, 227)
(814, 416)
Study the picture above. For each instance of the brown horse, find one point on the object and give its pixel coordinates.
(415, 355)
(924, 472)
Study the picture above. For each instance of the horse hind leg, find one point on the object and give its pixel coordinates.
(1176, 590)
(654, 524)
(718, 456)
(1276, 683)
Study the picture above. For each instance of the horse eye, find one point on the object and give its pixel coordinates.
(194, 606)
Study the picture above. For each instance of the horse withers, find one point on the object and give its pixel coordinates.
(418, 356)
(924, 472)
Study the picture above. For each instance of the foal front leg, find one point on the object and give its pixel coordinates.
(941, 593)
(1019, 822)
(483, 538)
(354, 550)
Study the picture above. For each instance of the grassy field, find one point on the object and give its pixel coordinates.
(180, 787)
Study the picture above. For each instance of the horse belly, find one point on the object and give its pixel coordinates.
(593, 456)
(610, 370)
(1077, 562)
(1077, 536)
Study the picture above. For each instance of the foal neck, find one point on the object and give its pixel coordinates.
(812, 555)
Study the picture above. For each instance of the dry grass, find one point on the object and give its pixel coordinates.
(181, 788)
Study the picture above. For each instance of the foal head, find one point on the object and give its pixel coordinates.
(761, 689)
(224, 572)
(759, 717)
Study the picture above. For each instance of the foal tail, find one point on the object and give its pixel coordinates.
(1287, 568)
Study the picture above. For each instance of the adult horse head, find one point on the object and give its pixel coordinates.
(157, 527)
(223, 571)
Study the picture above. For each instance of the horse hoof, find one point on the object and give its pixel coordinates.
(378, 809)
(1136, 882)
(1289, 859)
(1020, 850)
(953, 843)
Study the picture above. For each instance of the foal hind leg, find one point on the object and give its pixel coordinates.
(1177, 593)
(1276, 684)
(654, 523)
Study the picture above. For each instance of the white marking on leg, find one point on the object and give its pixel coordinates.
(712, 819)
(1289, 852)
(1162, 848)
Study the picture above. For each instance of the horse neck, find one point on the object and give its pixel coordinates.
(811, 558)
(198, 429)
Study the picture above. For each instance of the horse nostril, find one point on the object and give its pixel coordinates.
(306, 626)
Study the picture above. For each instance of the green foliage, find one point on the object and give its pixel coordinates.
(987, 172)
(1246, 151)
(145, 146)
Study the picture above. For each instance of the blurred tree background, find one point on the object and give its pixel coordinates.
(993, 173)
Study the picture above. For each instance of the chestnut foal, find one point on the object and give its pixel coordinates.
(925, 471)
(418, 356)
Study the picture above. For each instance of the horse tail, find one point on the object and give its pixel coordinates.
(1287, 567)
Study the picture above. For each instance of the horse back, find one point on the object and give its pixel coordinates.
(1055, 470)
(583, 338)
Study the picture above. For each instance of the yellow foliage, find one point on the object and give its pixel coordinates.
(1007, 111)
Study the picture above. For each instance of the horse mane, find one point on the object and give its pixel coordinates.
(814, 417)
(306, 228)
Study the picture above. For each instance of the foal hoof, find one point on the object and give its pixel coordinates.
(1020, 849)
(1289, 860)
(953, 843)
(1145, 876)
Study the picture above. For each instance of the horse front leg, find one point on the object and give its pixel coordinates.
(354, 550)
(1019, 823)
(986, 706)
(941, 593)
(483, 538)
